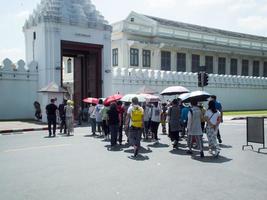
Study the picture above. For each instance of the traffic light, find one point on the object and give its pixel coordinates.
(199, 79)
(206, 79)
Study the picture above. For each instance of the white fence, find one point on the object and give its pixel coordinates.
(18, 89)
(234, 92)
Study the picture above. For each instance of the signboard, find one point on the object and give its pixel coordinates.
(255, 131)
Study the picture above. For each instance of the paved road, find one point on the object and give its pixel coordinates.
(33, 167)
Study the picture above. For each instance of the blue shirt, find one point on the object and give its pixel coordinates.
(218, 106)
(184, 114)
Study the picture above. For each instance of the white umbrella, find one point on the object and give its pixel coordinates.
(195, 96)
(174, 90)
(129, 97)
(150, 98)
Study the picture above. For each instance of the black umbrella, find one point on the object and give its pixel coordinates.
(174, 90)
(195, 96)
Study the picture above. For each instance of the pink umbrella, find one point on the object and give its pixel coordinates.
(112, 98)
(91, 100)
(151, 98)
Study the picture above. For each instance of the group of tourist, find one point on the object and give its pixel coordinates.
(65, 113)
(138, 120)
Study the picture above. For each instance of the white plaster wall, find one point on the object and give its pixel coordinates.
(234, 92)
(18, 89)
(48, 52)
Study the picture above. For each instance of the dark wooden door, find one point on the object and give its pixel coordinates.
(77, 95)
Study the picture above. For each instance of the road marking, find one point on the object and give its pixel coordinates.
(37, 147)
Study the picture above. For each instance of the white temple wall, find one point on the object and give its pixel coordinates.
(18, 89)
(234, 92)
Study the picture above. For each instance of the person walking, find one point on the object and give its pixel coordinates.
(62, 115)
(69, 118)
(174, 113)
(91, 112)
(121, 112)
(213, 119)
(218, 107)
(51, 110)
(105, 126)
(184, 119)
(98, 116)
(147, 118)
(194, 128)
(135, 123)
(113, 122)
(126, 105)
(163, 118)
(155, 120)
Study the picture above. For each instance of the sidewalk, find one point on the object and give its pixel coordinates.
(8, 127)
(21, 126)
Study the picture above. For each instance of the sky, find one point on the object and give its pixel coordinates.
(245, 16)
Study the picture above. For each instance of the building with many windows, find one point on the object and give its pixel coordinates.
(159, 53)
(147, 42)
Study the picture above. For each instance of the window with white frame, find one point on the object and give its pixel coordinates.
(233, 66)
(181, 62)
(245, 64)
(221, 65)
(134, 57)
(146, 58)
(256, 68)
(165, 60)
(115, 57)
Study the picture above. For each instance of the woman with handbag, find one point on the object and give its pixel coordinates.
(213, 119)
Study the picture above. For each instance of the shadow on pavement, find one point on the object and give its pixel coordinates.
(212, 159)
(178, 151)
(91, 135)
(142, 150)
(139, 157)
(114, 148)
(225, 146)
(158, 145)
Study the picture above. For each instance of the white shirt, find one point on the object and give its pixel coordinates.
(213, 117)
(91, 111)
(155, 114)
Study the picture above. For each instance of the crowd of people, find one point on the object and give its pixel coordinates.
(136, 120)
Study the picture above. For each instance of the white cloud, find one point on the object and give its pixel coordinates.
(253, 23)
(23, 14)
(161, 3)
(14, 54)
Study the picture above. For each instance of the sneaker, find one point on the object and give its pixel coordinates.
(135, 151)
(216, 153)
(189, 152)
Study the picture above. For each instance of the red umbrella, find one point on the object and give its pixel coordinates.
(112, 98)
(91, 100)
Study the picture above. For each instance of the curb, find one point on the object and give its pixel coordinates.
(10, 131)
(6, 132)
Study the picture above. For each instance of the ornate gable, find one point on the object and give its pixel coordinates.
(73, 12)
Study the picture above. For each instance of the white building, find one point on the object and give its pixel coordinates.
(159, 53)
(147, 42)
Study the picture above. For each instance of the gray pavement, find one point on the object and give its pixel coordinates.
(82, 167)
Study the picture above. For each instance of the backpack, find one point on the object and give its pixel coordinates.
(136, 117)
